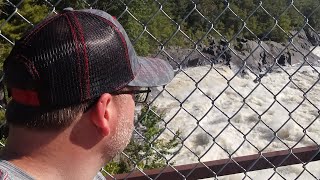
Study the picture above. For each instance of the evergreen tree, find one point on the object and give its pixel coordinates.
(32, 11)
(149, 27)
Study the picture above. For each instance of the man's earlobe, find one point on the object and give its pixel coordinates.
(100, 114)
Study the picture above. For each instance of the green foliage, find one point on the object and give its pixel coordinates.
(2, 116)
(5, 49)
(31, 10)
(3, 129)
(2, 142)
(141, 151)
(146, 18)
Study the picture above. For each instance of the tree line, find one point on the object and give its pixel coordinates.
(158, 24)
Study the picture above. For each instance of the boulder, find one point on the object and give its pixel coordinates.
(183, 58)
(259, 56)
(312, 36)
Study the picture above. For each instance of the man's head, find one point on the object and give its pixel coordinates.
(78, 65)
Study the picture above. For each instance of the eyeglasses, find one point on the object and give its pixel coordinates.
(140, 96)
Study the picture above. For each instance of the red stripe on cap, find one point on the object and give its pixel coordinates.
(86, 73)
(74, 36)
(26, 97)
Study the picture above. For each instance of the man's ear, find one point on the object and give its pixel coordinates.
(100, 114)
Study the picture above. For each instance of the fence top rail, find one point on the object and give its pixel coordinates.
(226, 166)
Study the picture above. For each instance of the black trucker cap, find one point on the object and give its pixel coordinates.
(76, 56)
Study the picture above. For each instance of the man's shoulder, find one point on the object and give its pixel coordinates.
(9, 171)
(99, 176)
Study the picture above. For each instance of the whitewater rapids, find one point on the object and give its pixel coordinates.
(219, 113)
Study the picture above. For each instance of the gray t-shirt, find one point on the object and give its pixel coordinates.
(8, 171)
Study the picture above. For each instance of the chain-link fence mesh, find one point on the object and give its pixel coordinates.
(246, 80)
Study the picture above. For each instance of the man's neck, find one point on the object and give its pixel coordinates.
(55, 158)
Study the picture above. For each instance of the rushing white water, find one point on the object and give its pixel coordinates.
(218, 113)
(316, 50)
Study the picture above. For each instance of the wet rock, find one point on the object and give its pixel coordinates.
(260, 56)
(312, 36)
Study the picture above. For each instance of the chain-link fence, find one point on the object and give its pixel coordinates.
(245, 96)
